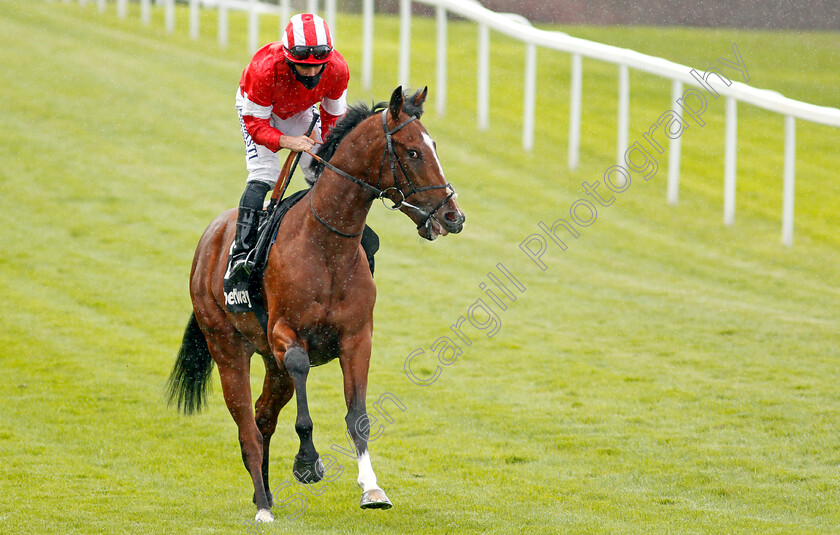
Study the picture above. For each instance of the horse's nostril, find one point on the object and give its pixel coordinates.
(454, 217)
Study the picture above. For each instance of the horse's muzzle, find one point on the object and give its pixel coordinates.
(441, 225)
(452, 221)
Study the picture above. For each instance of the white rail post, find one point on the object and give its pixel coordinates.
(146, 11)
(674, 152)
(574, 111)
(312, 6)
(367, 44)
(122, 8)
(790, 167)
(623, 112)
(441, 61)
(483, 76)
(223, 24)
(405, 43)
(169, 9)
(253, 27)
(285, 15)
(329, 9)
(529, 106)
(729, 162)
(101, 6)
(194, 19)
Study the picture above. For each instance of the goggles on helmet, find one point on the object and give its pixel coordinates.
(302, 53)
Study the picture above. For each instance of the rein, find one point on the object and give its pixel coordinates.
(288, 170)
(382, 194)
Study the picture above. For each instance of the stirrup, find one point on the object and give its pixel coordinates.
(234, 270)
(243, 260)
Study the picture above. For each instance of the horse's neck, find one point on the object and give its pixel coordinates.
(343, 204)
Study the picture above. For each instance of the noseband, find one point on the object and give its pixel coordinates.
(382, 194)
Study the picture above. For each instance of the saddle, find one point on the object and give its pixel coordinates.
(269, 224)
(266, 236)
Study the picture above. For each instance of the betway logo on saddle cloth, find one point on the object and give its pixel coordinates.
(238, 297)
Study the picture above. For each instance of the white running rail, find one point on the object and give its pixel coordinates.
(625, 59)
(518, 28)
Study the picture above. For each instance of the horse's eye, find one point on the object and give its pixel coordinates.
(413, 154)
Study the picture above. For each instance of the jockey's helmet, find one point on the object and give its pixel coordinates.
(307, 40)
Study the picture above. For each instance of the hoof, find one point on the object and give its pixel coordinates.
(264, 515)
(375, 499)
(308, 473)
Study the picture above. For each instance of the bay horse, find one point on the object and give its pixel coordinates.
(318, 290)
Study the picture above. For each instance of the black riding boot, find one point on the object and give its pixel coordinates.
(239, 264)
(245, 240)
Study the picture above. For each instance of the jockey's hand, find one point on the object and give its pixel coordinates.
(296, 143)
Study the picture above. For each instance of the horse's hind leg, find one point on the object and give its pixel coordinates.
(307, 467)
(277, 391)
(234, 373)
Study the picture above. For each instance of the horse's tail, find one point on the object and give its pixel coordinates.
(188, 382)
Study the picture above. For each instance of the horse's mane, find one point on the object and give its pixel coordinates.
(353, 118)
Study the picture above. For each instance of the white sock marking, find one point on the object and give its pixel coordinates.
(367, 479)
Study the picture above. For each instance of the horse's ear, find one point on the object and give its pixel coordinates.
(396, 105)
(421, 97)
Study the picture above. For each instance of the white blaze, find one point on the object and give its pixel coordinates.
(431, 145)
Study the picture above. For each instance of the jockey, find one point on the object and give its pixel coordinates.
(276, 102)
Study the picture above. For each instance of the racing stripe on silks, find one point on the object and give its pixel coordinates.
(294, 33)
(335, 106)
(247, 106)
(322, 33)
(307, 30)
(310, 36)
(312, 31)
(304, 29)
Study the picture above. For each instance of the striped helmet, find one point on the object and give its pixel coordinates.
(307, 40)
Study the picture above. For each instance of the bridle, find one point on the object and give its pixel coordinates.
(382, 194)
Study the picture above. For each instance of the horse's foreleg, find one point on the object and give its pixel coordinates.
(277, 391)
(308, 467)
(354, 364)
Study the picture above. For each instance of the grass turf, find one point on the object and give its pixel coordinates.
(664, 374)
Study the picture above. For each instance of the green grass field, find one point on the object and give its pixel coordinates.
(665, 374)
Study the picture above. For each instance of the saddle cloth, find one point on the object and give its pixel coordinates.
(267, 234)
